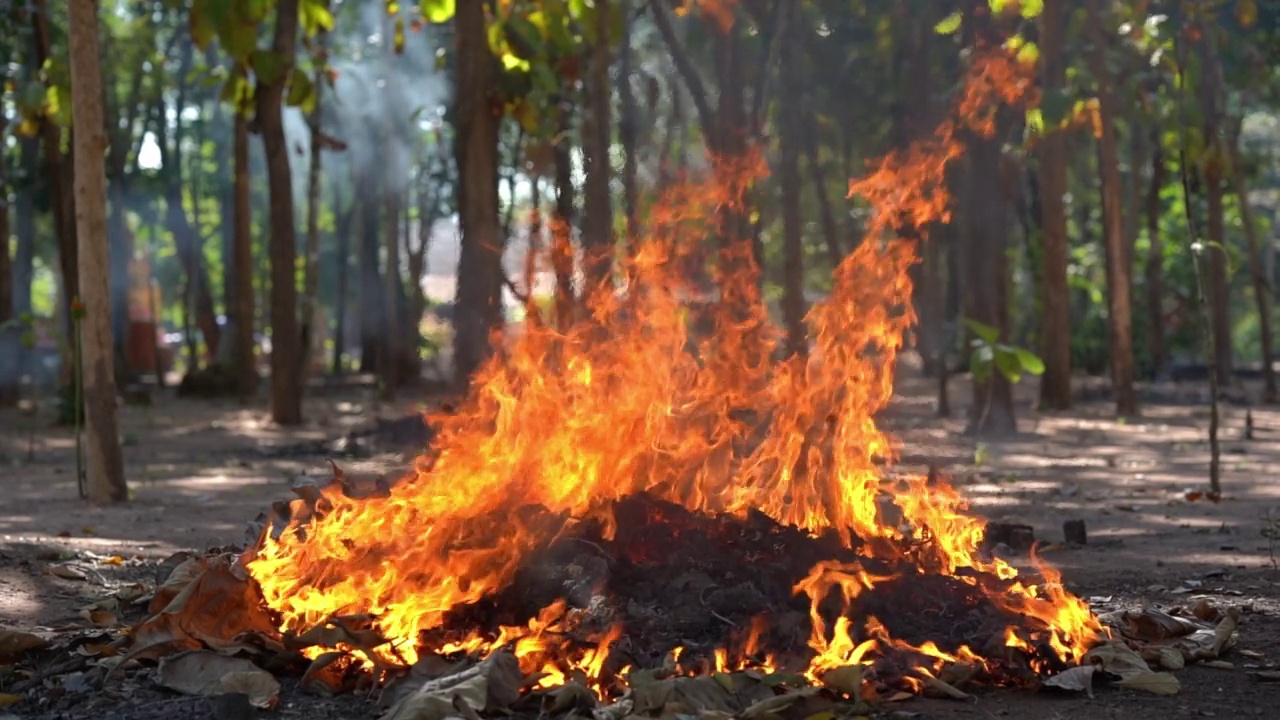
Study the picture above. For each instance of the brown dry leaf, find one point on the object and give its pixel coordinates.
(219, 609)
(113, 560)
(1117, 658)
(1075, 679)
(1151, 624)
(15, 643)
(182, 576)
(1220, 665)
(846, 680)
(262, 689)
(1165, 656)
(934, 687)
(130, 593)
(1266, 675)
(435, 700)
(66, 572)
(770, 707)
(323, 677)
(100, 618)
(1159, 683)
(1224, 635)
(7, 699)
(206, 673)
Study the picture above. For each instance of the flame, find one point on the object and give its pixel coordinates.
(630, 400)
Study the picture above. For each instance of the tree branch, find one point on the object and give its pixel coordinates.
(685, 67)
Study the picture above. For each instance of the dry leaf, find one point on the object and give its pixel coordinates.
(769, 707)
(846, 680)
(177, 581)
(1220, 665)
(1161, 683)
(262, 689)
(1151, 624)
(1075, 679)
(1165, 656)
(434, 700)
(1117, 658)
(1224, 633)
(937, 688)
(66, 572)
(100, 618)
(15, 643)
(206, 673)
(7, 699)
(1267, 675)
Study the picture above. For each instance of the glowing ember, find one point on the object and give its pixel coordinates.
(562, 427)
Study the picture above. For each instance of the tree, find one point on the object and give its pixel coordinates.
(477, 112)
(1118, 274)
(240, 277)
(1055, 329)
(286, 337)
(597, 220)
(789, 149)
(106, 482)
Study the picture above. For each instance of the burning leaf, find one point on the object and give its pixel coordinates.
(572, 696)
(1161, 683)
(15, 643)
(323, 677)
(694, 693)
(207, 673)
(1075, 679)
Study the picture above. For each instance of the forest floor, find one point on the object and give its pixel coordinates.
(200, 470)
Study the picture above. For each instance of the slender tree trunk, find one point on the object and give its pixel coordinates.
(597, 217)
(478, 306)
(1260, 281)
(789, 148)
(392, 347)
(1219, 293)
(1055, 383)
(342, 302)
(830, 229)
(59, 174)
(243, 362)
(24, 256)
(627, 129)
(286, 384)
(1114, 244)
(1155, 261)
(311, 263)
(562, 226)
(105, 464)
(9, 332)
(372, 313)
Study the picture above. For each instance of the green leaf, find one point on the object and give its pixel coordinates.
(201, 26)
(1030, 361)
(1031, 8)
(997, 6)
(986, 332)
(1055, 106)
(524, 38)
(1008, 364)
(398, 36)
(949, 24)
(236, 88)
(438, 11)
(314, 16)
(980, 363)
(1035, 121)
(267, 65)
(1029, 53)
(302, 92)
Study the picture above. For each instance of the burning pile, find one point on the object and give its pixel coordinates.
(625, 491)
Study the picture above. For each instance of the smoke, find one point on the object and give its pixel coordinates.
(379, 101)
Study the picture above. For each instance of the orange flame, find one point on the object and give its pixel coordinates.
(573, 419)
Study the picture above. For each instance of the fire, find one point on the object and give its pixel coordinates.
(568, 421)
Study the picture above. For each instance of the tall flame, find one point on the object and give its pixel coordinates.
(632, 401)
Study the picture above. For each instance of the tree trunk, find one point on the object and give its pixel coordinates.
(597, 216)
(372, 313)
(243, 363)
(311, 263)
(1260, 281)
(627, 129)
(1055, 383)
(59, 175)
(986, 280)
(789, 148)
(10, 333)
(24, 256)
(830, 230)
(1219, 293)
(1155, 261)
(392, 346)
(105, 463)
(286, 383)
(1114, 244)
(562, 225)
(478, 305)
(344, 270)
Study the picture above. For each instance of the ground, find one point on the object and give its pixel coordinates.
(200, 470)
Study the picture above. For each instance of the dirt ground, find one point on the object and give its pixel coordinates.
(200, 470)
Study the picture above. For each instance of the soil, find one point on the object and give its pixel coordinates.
(201, 470)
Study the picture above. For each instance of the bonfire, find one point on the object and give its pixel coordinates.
(623, 505)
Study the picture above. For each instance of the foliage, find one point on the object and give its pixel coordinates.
(989, 354)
